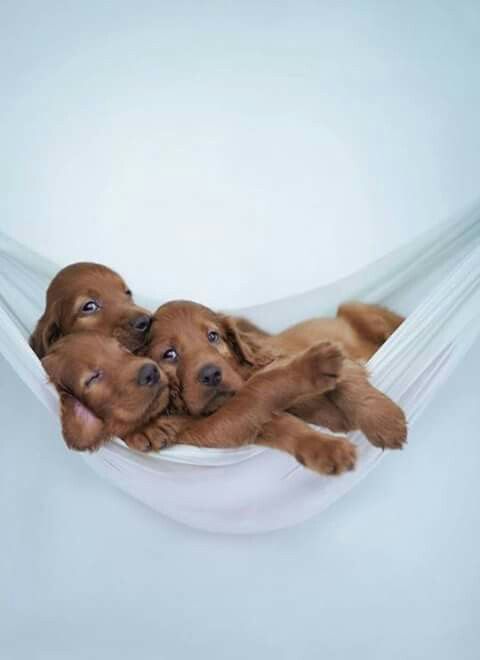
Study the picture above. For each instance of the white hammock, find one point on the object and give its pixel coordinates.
(435, 281)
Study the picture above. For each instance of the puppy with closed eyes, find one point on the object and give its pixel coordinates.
(105, 391)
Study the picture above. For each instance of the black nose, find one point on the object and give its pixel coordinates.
(148, 375)
(210, 375)
(141, 323)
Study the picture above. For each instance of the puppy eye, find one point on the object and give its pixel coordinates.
(171, 355)
(94, 377)
(128, 292)
(213, 337)
(90, 307)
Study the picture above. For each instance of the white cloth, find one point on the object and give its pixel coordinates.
(435, 280)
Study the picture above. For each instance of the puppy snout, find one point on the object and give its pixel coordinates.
(148, 375)
(141, 323)
(210, 375)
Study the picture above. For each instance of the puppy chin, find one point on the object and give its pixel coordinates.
(216, 402)
(162, 401)
(158, 404)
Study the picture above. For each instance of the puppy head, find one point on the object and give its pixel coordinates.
(104, 389)
(87, 296)
(206, 356)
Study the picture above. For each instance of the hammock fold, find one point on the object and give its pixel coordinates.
(435, 281)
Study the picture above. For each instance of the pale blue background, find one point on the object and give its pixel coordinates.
(267, 148)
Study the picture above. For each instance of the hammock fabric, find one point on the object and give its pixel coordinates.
(435, 281)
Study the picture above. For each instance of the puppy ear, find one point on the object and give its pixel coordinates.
(46, 333)
(81, 428)
(247, 342)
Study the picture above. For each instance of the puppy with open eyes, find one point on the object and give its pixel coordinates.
(90, 297)
(106, 391)
(208, 357)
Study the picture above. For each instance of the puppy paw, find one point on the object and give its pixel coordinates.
(386, 426)
(146, 440)
(327, 456)
(324, 362)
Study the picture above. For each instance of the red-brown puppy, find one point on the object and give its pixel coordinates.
(208, 356)
(359, 328)
(105, 390)
(88, 296)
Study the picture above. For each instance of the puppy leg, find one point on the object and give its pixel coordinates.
(317, 451)
(356, 404)
(372, 322)
(321, 410)
(366, 408)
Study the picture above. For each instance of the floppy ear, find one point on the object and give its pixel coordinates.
(247, 342)
(82, 430)
(46, 333)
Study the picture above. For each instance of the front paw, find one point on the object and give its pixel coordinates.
(327, 455)
(324, 362)
(146, 440)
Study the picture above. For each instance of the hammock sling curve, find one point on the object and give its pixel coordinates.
(435, 281)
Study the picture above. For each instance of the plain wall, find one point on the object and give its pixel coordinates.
(235, 153)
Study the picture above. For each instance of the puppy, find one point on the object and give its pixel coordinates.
(105, 391)
(208, 357)
(88, 296)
